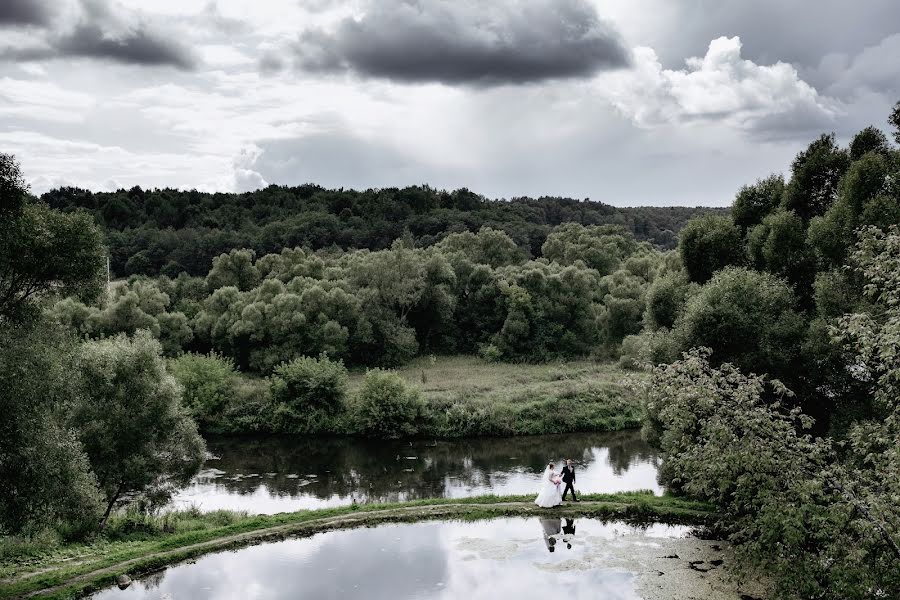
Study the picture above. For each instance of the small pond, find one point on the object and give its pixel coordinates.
(281, 474)
(501, 558)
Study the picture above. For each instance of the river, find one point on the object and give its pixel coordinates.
(281, 474)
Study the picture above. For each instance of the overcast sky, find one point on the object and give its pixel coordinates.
(632, 102)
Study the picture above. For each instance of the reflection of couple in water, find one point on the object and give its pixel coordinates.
(553, 528)
(551, 481)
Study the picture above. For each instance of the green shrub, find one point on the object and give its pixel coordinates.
(635, 352)
(490, 353)
(386, 407)
(209, 385)
(251, 409)
(308, 394)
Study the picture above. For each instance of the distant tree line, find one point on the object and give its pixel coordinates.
(166, 231)
(469, 293)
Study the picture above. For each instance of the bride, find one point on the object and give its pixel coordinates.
(549, 495)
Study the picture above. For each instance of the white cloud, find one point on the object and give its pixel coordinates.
(246, 179)
(718, 88)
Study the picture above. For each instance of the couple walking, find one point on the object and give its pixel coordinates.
(551, 482)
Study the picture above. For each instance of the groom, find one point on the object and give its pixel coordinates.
(568, 476)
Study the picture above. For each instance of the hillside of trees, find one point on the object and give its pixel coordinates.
(167, 231)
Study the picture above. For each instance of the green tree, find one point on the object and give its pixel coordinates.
(623, 304)
(870, 139)
(233, 269)
(309, 394)
(748, 319)
(487, 247)
(754, 202)
(815, 176)
(386, 407)
(600, 247)
(665, 300)
(136, 432)
(43, 252)
(44, 474)
(778, 246)
(708, 244)
(869, 195)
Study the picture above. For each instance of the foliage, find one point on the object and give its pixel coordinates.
(44, 473)
(870, 139)
(487, 247)
(130, 419)
(754, 202)
(386, 407)
(43, 252)
(599, 247)
(208, 382)
(815, 177)
(778, 245)
(746, 318)
(708, 244)
(308, 394)
(666, 297)
(384, 307)
(234, 269)
(165, 232)
(819, 516)
(785, 499)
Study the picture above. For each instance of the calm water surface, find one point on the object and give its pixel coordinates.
(271, 475)
(501, 558)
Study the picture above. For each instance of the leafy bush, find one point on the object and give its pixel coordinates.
(635, 352)
(208, 381)
(308, 394)
(386, 407)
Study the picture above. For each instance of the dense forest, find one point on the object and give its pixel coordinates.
(772, 335)
(168, 231)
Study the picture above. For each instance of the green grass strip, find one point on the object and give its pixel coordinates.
(76, 569)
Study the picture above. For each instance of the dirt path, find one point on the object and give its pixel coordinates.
(157, 560)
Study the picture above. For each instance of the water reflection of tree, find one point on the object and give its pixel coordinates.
(387, 471)
(628, 450)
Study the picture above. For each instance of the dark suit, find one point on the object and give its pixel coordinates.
(568, 476)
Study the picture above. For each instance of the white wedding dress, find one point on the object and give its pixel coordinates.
(550, 493)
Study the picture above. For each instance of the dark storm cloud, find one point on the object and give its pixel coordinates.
(137, 46)
(99, 35)
(24, 12)
(463, 42)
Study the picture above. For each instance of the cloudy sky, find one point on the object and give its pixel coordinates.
(632, 102)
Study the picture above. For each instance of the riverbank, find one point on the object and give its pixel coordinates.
(455, 397)
(71, 570)
(467, 396)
